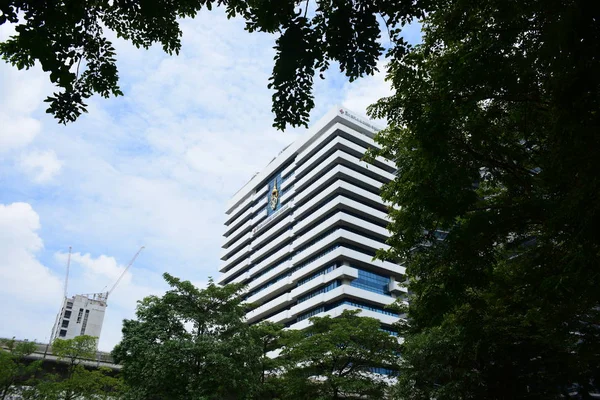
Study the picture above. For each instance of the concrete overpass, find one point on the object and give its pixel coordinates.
(44, 352)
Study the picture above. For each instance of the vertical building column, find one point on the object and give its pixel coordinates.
(393, 293)
(346, 281)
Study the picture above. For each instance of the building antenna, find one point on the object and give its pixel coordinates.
(124, 272)
(67, 275)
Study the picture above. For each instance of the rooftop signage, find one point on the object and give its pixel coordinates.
(357, 119)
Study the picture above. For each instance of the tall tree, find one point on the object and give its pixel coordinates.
(15, 370)
(270, 338)
(342, 357)
(494, 128)
(78, 382)
(75, 350)
(190, 344)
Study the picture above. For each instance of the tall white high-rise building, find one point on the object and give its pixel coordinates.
(80, 315)
(302, 233)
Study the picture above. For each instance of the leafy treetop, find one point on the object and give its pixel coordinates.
(66, 37)
(13, 367)
(335, 358)
(189, 341)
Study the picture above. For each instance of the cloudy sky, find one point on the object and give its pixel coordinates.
(154, 167)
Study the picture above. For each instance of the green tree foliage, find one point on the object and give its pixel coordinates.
(78, 382)
(15, 371)
(75, 350)
(194, 344)
(334, 359)
(25, 379)
(66, 37)
(270, 338)
(494, 127)
(190, 344)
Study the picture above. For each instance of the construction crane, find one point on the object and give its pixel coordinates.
(52, 337)
(67, 275)
(124, 272)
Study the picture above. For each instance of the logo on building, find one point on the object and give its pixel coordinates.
(359, 120)
(274, 197)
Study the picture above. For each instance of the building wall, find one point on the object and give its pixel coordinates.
(80, 315)
(302, 233)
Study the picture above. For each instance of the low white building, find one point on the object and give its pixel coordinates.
(302, 233)
(82, 314)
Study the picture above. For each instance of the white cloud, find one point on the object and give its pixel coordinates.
(100, 270)
(360, 94)
(22, 93)
(17, 131)
(41, 166)
(158, 165)
(29, 292)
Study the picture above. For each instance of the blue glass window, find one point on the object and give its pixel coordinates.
(316, 240)
(311, 313)
(372, 282)
(390, 331)
(365, 306)
(349, 302)
(317, 292)
(297, 267)
(440, 235)
(288, 273)
(384, 371)
(319, 273)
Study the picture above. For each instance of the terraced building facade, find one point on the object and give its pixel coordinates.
(302, 233)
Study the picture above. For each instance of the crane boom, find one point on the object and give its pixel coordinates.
(125, 271)
(67, 275)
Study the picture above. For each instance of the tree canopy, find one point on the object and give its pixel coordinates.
(269, 338)
(13, 368)
(195, 343)
(22, 378)
(493, 126)
(343, 357)
(67, 39)
(76, 349)
(189, 342)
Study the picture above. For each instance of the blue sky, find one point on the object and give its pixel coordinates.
(154, 167)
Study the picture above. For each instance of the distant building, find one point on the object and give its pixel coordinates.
(302, 233)
(82, 314)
